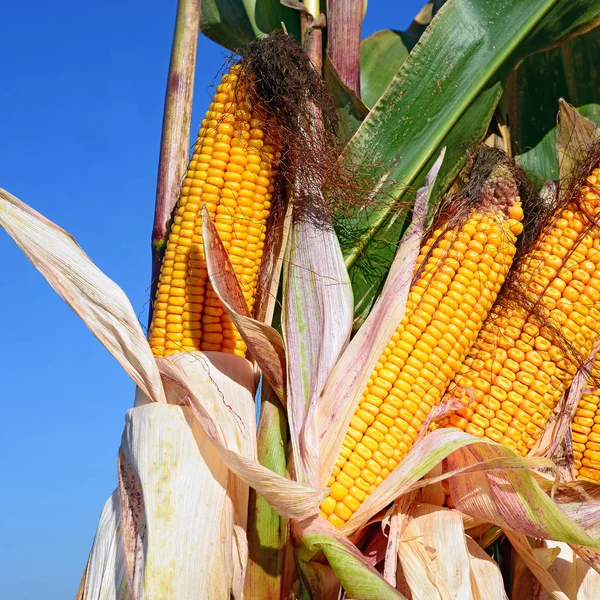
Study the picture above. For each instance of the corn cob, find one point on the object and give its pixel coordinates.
(586, 435)
(516, 373)
(232, 172)
(463, 270)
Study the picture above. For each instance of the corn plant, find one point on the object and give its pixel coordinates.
(369, 367)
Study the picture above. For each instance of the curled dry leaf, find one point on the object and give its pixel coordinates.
(423, 457)
(561, 419)
(359, 579)
(575, 136)
(510, 498)
(264, 343)
(98, 300)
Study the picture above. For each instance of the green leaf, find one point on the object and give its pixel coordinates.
(267, 531)
(351, 111)
(360, 581)
(235, 23)
(571, 72)
(369, 266)
(467, 51)
(381, 55)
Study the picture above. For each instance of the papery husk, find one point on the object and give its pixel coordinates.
(316, 322)
(577, 580)
(105, 577)
(106, 310)
(537, 560)
(178, 519)
(394, 523)
(486, 579)
(433, 555)
(184, 511)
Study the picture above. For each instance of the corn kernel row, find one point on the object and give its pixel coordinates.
(232, 173)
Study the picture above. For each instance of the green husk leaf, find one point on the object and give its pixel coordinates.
(267, 531)
(359, 579)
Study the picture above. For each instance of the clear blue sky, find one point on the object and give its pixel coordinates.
(80, 120)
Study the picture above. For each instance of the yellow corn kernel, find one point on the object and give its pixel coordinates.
(426, 350)
(585, 443)
(527, 365)
(233, 177)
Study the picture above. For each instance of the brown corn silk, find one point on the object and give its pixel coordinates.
(542, 327)
(459, 272)
(232, 172)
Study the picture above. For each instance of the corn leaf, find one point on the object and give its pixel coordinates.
(351, 373)
(351, 111)
(316, 324)
(264, 342)
(235, 23)
(569, 71)
(360, 581)
(382, 54)
(450, 80)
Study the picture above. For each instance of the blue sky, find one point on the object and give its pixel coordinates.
(80, 117)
